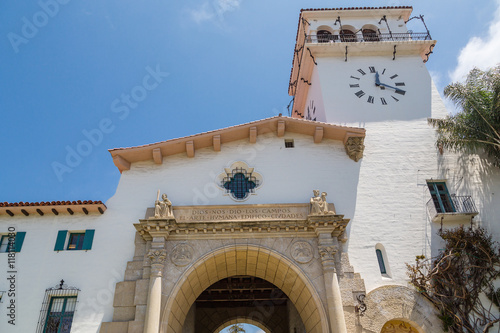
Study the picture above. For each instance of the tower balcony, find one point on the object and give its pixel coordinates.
(370, 44)
(461, 209)
(381, 37)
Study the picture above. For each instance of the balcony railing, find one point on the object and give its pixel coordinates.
(463, 207)
(386, 37)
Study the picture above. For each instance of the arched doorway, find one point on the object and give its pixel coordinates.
(246, 261)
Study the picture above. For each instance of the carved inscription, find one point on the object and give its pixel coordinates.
(241, 213)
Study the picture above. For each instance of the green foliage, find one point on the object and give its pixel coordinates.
(456, 280)
(236, 328)
(476, 126)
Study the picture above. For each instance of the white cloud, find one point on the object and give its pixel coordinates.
(204, 13)
(214, 11)
(481, 52)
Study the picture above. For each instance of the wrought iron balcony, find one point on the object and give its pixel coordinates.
(463, 209)
(386, 37)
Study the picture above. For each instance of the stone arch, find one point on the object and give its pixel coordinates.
(370, 33)
(243, 321)
(388, 303)
(348, 34)
(249, 260)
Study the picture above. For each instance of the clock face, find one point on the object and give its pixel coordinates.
(311, 111)
(377, 86)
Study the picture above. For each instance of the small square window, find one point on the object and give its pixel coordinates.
(76, 241)
(4, 243)
(289, 143)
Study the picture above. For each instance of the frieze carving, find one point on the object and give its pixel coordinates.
(327, 252)
(319, 205)
(163, 207)
(354, 148)
(157, 257)
(182, 254)
(302, 252)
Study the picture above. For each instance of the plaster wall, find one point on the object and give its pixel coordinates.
(187, 181)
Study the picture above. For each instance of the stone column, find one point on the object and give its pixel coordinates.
(327, 247)
(152, 323)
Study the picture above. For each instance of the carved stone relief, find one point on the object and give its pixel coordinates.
(157, 256)
(327, 252)
(354, 148)
(182, 254)
(302, 252)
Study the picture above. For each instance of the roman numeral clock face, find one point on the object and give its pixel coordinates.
(377, 86)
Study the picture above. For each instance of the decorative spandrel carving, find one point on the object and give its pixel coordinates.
(354, 148)
(163, 207)
(182, 255)
(157, 257)
(319, 205)
(327, 252)
(302, 252)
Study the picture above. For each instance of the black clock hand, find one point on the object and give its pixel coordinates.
(377, 80)
(401, 91)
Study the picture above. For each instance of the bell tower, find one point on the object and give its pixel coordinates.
(360, 65)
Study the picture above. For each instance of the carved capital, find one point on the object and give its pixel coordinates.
(157, 257)
(327, 252)
(354, 147)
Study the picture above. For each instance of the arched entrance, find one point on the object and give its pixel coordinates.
(248, 261)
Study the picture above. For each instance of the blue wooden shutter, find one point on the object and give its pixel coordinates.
(61, 239)
(88, 239)
(19, 241)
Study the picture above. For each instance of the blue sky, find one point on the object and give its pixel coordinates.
(67, 68)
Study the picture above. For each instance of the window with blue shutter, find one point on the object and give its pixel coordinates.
(73, 241)
(12, 242)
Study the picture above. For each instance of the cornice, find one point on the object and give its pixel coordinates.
(124, 157)
(169, 228)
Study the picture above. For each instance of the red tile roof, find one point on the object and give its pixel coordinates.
(52, 207)
(49, 203)
(356, 8)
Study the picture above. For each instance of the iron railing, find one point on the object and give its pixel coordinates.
(463, 204)
(385, 37)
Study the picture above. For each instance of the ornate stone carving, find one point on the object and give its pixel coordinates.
(302, 252)
(182, 254)
(327, 252)
(157, 257)
(354, 148)
(319, 205)
(163, 208)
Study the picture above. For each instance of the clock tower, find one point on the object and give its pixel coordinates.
(360, 65)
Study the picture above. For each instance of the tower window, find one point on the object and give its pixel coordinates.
(381, 263)
(370, 35)
(324, 36)
(347, 36)
(441, 197)
(289, 143)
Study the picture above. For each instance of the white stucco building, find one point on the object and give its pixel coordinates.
(245, 238)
